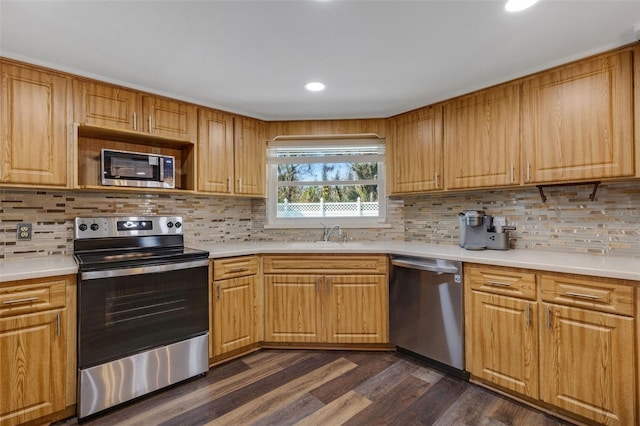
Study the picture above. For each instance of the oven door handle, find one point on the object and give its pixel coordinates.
(151, 269)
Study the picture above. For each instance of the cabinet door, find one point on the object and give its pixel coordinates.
(234, 314)
(32, 366)
(416, 151)
(250, 157)
(502, 341)
(577, 121)
(169, 118)
(215, 151)
(33, 123)
(293, 308)
(356, 308)
(587, 364)
(482, 138)
(105, 105)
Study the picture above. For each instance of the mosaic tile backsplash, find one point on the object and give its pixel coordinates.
(567, 222)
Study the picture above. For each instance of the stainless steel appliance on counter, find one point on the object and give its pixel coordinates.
(426, 310)
(477, 231)
(142, 308)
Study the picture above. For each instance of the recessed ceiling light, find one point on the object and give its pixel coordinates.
(315, 86)
(518, 5)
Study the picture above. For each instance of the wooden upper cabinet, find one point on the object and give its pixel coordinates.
(482, 138)
(33, 123)
(169, 118)
(416, 151)
(250, 156)
(577, 121)
(215, 151)
(105, 105)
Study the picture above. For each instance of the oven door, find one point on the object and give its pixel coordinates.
(122, 312)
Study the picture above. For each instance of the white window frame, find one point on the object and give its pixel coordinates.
(326, 221)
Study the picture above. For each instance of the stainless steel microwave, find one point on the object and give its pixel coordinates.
(138, 169)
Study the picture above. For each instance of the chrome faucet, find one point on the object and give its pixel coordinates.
(328, 231)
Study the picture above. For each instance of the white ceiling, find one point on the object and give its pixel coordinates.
(377, 58)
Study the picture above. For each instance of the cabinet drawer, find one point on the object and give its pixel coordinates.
(600, 294)
(507, 281)
(342, 264)
(235, 267)
(24, 297)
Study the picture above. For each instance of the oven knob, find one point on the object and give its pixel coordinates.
(83, 227)
(178, 224)
(94, 226)
(170, 225)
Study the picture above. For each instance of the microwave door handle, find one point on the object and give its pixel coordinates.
(161, 169)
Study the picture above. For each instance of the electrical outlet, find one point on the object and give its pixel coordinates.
(24, 231)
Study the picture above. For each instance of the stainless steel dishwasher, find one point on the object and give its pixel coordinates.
(426, 310)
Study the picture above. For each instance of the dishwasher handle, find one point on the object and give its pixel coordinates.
(432, 265)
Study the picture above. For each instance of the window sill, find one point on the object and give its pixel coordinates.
(344, 224)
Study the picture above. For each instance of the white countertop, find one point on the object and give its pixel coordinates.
(37, 267)
(600, 266)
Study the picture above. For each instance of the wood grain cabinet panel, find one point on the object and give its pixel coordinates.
(587, 363)
(355, 308)
(416, 151)
(33, 122)
(234, 314)
(215, 152)
(250, 157)
(37, 349)
(293, 308)
(169, 118)
(482, 138)
(504, 341)
(106, 105)
(326, 299)
(235, 305)
(32, 366)
(577, 121)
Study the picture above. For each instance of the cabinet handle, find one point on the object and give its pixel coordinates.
(319, 284)
(528, 315)
(135, 121)
(238, 269)
(548, 314)
(149, 120)
(14, 301)
(582, 295)
(229, 184)
(239, 184)
(528, 171)
(437, 180)
(218, 291)
(512, 173)
(58, 321)
(497, 283)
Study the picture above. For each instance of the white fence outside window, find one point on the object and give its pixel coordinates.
(322, 209)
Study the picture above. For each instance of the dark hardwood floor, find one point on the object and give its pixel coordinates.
(286, 387)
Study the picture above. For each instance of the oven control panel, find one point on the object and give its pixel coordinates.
(124, 226)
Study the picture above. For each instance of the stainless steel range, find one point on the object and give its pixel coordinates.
(142, 308)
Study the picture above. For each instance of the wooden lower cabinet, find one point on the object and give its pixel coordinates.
(37, 356)
(319, 307)
(587, 363)
(235, 305)
(293, 308)
(504, 341)
(568, 355)
(234, 314)
(355, 309)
